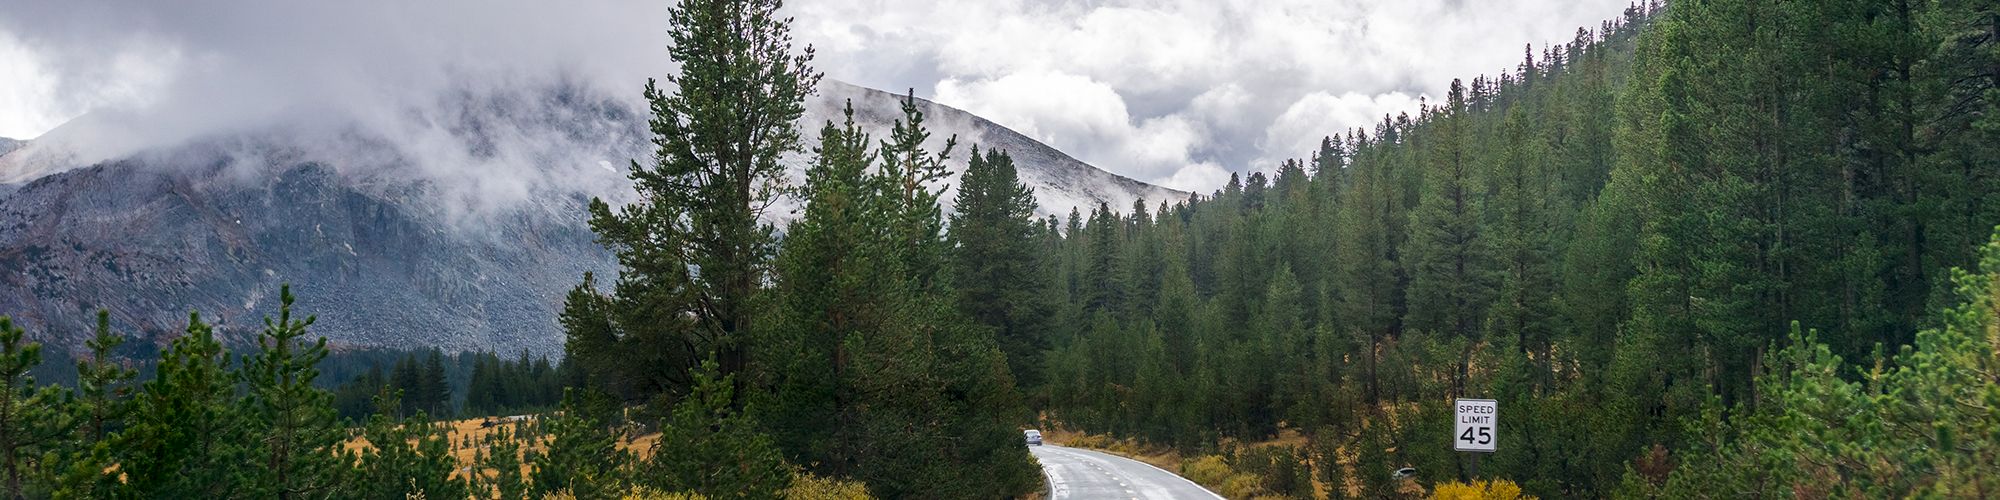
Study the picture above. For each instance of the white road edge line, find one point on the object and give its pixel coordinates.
(1056, 488)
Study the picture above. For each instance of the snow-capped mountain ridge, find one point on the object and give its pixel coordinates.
(456, 223)
(1060, 181)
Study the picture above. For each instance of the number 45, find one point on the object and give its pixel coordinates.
(1485, 435)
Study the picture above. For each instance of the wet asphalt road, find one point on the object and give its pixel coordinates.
(1089, 475)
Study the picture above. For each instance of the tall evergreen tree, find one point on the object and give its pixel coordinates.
(298, 438)
(709, 448)
(432, 386)
(1450, 267)
(695, 253)
(1521, 240)
(997, 261)
(1364, 276)
(874, 339)
(831, 292)
(189, 438)
(32, 417)
(1104, 274)
(104, 402)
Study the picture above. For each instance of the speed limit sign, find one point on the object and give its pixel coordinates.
(1478, 422)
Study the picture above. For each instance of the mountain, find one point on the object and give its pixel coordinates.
(460, 232)
(1060, 182)
(9, 146)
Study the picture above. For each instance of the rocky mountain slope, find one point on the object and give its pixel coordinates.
(460, 234)
(1060, 182)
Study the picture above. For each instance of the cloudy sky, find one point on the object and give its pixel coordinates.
(1176, 92)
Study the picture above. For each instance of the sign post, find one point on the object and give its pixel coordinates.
(1476, 429)
(1478, 424)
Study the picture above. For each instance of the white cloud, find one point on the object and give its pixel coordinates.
(24, 87)
(1297, 132)
(35, 98)
(1197, 178)
(1083, 117)
(1169, 91)
(1255, 81)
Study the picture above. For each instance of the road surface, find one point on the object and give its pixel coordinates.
(1088, 475)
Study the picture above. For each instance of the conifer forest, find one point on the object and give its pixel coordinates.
(1707, 249)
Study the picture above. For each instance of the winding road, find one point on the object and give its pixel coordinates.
(1089, 475)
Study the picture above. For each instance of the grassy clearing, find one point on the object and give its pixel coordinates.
(469, 439)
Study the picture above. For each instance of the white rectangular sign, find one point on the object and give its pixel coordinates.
(1478, 422)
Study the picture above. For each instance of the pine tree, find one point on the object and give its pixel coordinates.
(1918, 408)
(407, 457)
(997, 264)
(874, 339)
(1372, 463)
(582, 457)
(483, 388)
(1104, 273)
(1450, 267)
(433, 391)
(1364, 276)
(709, 448)
(408, 378)
(1327, 462)
(963, 402)
(189, 437)
(104, 401)
(298, 436)
(831, 284)
(502, 456)
(1286, 347)
(1521, 240)
(695, 254)
(32, 417)
(354, 400)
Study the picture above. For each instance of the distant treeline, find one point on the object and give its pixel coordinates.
(438, 384)
(443, 385)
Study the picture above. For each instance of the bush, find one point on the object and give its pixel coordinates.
(1209, 470)
(1282, 469)
(1092, 441)
(1214, 472)
(1498, 489)
(810, 487)
(1242, 486)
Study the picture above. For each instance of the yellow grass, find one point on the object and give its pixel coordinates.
(804, 486)
(468, 456)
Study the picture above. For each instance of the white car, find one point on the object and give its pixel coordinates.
(1034, 437)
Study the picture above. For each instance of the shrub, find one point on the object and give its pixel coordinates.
(810, 487)
(1242, 486)
(1282, 469)
(1214, 472)
(1498, 489)
(1209, 470)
